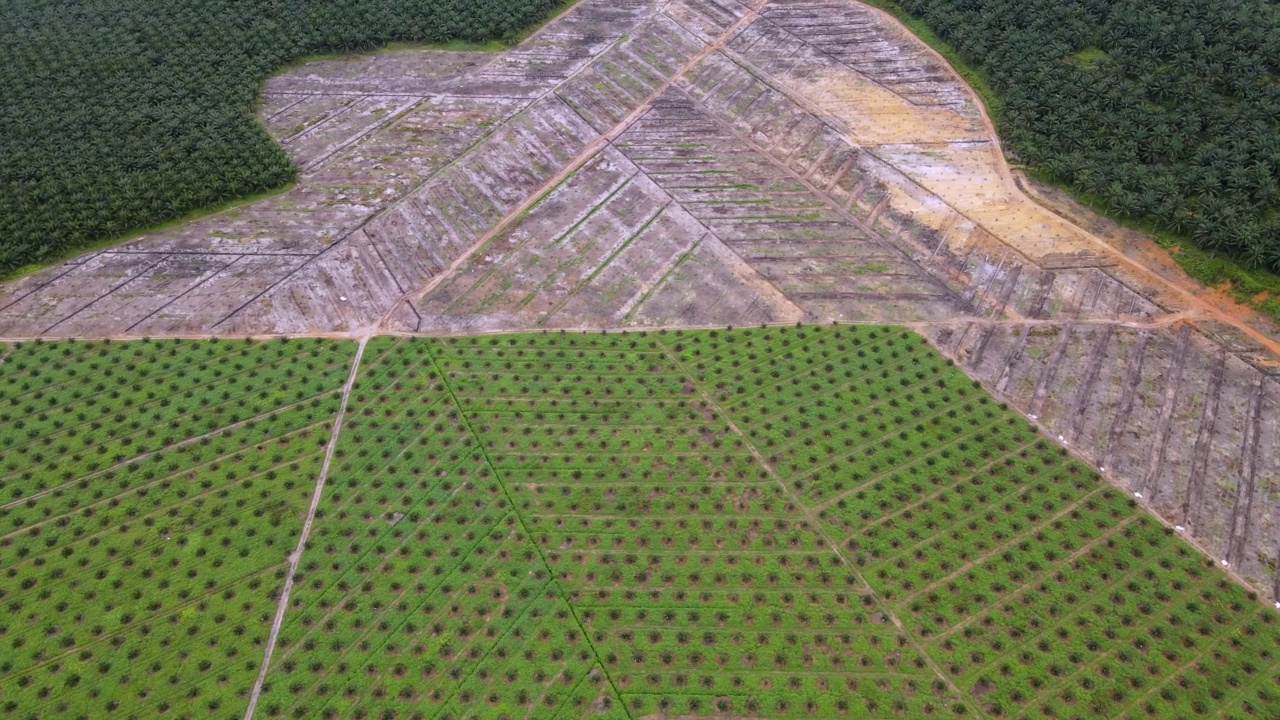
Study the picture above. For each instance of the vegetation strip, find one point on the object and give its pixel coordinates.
(138, 565)
(296, 556)
(507, 493)
(834, 547)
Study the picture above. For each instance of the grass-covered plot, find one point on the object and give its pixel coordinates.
(150, 493)
(784, 522)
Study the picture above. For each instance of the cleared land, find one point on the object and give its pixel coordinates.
(779, 522)
(637, 164)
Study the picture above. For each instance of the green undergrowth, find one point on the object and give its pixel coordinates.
(149, 495)
(785, 522)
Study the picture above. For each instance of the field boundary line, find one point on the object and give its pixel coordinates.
(938, 492)
(347, 594)
(181, 443)
(638, 330)
(530, 537)
(121, 630)
(600, 143)
(156, 511)
(1057, 566)
(1066, 679)
(808, 514)
(296, 557)
(996, 549)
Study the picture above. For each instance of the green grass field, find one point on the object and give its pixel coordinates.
(770, 523)
(150, 493)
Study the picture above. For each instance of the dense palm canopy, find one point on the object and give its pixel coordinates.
(118, 114)
(1161, 110)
